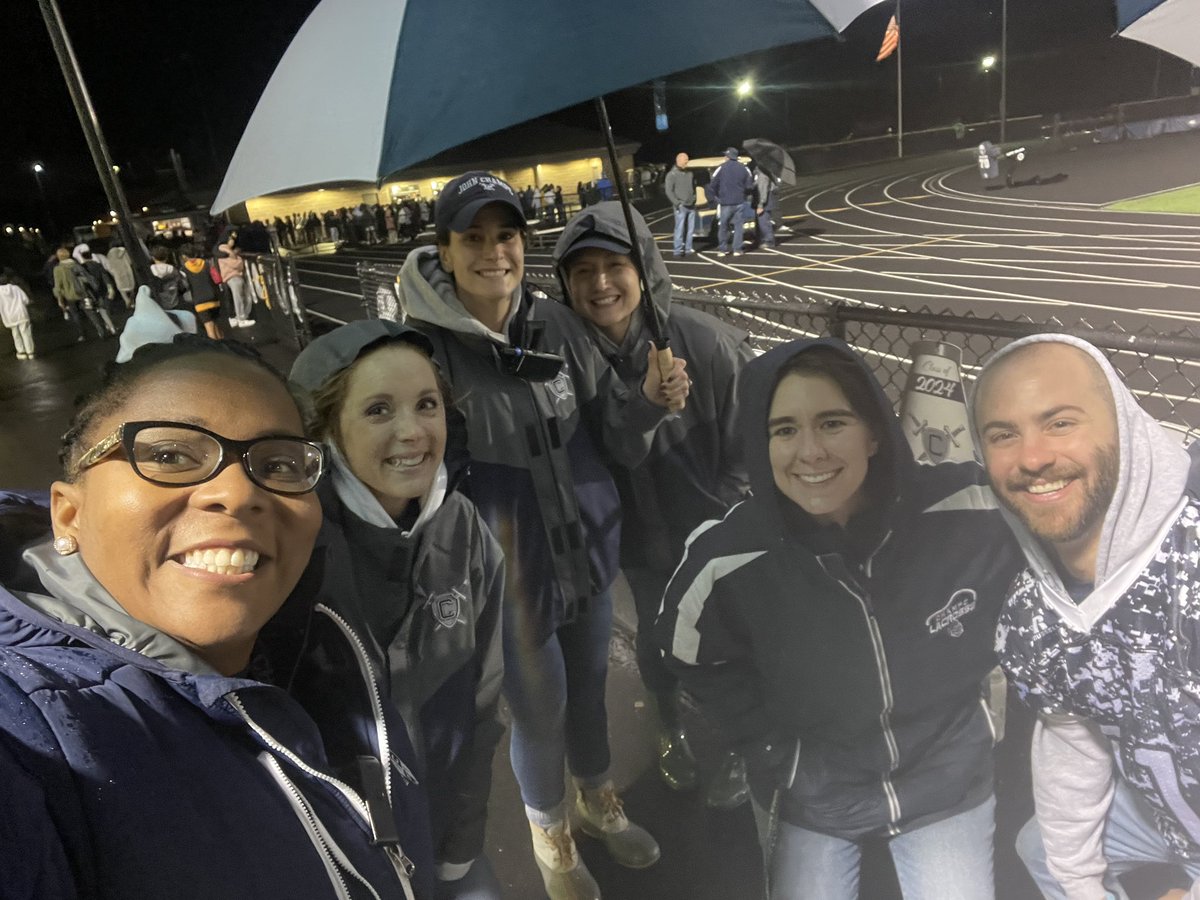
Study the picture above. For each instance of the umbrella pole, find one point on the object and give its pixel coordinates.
(95, 138)
(658, 327)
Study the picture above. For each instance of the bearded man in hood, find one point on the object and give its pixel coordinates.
(1099, 634)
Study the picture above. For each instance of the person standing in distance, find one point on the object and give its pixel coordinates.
(681, 191)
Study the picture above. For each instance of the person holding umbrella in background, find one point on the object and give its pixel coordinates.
(764, 204)
(541, 406)
(773, 166)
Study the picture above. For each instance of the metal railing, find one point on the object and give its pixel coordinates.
(1162, 369)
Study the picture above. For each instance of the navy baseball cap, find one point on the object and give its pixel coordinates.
(731, 153)
(462, 198)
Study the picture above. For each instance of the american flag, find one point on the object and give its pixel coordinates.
(891, 40)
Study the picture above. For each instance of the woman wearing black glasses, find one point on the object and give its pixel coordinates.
(178, 716)
(543, 409)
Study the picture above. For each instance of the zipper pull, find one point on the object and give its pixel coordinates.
(379, 807)
(400, 861)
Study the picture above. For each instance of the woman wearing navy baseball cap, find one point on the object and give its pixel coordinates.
(543, 411)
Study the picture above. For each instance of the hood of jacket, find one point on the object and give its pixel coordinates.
(607, 220)
(1152, 479)
(74, 597)
(428, 294)
(889, 469)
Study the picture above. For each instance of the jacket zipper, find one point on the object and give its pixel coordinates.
(885, 687)
(368, 674)
(401, 863)
(309, 819)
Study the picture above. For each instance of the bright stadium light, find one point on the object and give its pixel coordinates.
(38, 168)
(988, 62)
(745, 87)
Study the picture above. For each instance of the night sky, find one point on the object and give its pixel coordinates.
(164, 78)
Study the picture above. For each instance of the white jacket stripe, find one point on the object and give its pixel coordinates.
(685, 644)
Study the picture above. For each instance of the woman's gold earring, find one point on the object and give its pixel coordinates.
(66, 545)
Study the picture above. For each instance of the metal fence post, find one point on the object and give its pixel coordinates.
(837, 325)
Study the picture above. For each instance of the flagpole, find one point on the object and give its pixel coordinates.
(899, 88)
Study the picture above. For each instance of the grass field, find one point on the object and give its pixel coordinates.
(1182, 200)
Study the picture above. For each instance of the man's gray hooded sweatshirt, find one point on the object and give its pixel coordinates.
(694, 470)
(537, 473)
(1114, 667)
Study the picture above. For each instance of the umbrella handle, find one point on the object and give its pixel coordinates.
(666, 361)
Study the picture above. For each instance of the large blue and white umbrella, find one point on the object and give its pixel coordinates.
(369, 87)
(1171, 25)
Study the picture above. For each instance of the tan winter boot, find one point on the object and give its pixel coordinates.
(564, 874)
(602, 816)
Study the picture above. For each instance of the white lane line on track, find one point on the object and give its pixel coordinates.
(1035, 205)
(972, 197)
(1078, 262)
(983, 295)
(991, 216)
(1071, 279)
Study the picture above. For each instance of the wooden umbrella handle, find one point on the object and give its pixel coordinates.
(666, 362)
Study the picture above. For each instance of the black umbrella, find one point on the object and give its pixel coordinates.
(772, 159)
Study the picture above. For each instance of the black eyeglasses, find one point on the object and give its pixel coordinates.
(173, 454)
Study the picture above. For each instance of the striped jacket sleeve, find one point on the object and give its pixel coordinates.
(703, 635)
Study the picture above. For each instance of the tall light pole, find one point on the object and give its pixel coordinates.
(94, 136)
(38, 169)
(988, 64)
(1003, 70)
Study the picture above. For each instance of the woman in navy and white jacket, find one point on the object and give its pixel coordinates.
(180, 713)
(838, 626)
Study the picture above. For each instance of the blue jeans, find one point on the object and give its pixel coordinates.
(948, 859)
(737, 215)
(766, 231)
(556, 695)
(685, 220)
(1130, 841)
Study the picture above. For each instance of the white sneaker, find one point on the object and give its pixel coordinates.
(245, 323)
(235, 322)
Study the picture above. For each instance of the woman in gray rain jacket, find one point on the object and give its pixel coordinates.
(693, 472)
(408, 553)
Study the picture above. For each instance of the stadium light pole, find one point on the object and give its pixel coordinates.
(94, 136)
(1003, 70)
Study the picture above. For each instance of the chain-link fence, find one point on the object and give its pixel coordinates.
(1162, 369)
